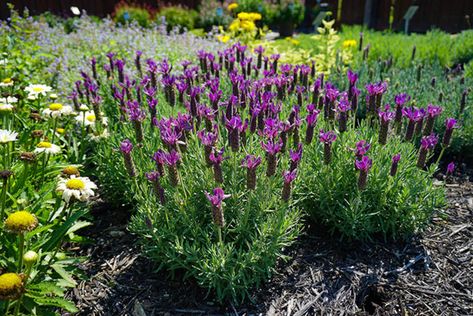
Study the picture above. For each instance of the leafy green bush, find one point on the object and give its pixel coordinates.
(125, 13)
(389, 206)
(177, 16)
(212, 13)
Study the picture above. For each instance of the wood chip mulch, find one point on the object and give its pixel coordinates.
(430, 274)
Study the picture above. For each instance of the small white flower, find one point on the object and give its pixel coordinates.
(79, 188)
(53, 96)
(88, 118)
(8, 82)
(8, 100)
(37, 89)
(7, 136)
(3, 62)
(83, 108)
(32, 97)
(5, 107)
(48, 148)
(57, 110)
(75, 10)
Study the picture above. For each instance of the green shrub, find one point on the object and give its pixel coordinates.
(177, 16)
(212, 13)
(389, 206)
(125, 13)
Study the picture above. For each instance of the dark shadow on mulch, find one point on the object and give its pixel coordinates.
(431, 274)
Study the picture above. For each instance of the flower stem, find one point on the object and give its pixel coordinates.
(3, 197)
(440, 155)
(21, 249)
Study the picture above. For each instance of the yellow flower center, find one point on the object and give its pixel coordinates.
(75, 184)
(55, 106)
(7, 80)
(90, 118)
(10, 281)
(38, 89)
(44, 145)
(21, 221)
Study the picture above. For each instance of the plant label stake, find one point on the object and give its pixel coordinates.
(408, 16)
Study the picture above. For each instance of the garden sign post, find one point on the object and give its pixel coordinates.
(408, 16)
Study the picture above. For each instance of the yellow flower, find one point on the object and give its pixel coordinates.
(71, 171)
(223, 38)
(255, 16)
(232, 6)
(293, 41)
(234, 26)
(60, 130)
(349, 43)
(55, 106)
(248, 25)
(243, 16)
(20, 222)
(11, 286)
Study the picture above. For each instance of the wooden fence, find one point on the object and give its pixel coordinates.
(451, 16)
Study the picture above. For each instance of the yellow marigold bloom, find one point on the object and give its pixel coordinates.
(349, 43)
(243, 16)
(11, 286)
(232, 6)
(20, 222)
(235, 26)
(71, 171)
(248, 26)
(255, 16)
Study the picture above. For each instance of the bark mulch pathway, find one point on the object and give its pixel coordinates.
(431, 274)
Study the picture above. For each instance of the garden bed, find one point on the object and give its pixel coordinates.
(428, 274)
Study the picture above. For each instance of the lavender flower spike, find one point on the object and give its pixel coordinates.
(327, 138)
(426, 143)
(450, 124)
(363, 165)
(288, 177)
(384, 117)
(251, 163)
(394, 164)
(216, 200)
(450, 168)
(126, 147)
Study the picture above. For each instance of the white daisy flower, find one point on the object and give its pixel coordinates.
(32, 97)
(79, 188)
(8, 100)
(5, 107)
(8, 82)
(37, 89)
(53, 96)
(88, 118)
(48, 148)
(57, 110)
(7, 136)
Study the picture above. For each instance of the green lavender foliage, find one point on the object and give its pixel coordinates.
(389, 207)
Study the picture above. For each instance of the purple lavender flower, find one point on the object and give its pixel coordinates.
(394, 164)
(154, 178)
(450, 168)
(432, 112)
(327, 138)
(234, 125)
(171, 160)
(426, 143)
(363, 165)
(295, 157)
(208, 139)
(400, 100)
(385, 117)
(126, 147)
(288, 177)
(362, 148)
(343, 107)
(158, 158)
(251, 163)
(271, 149)
(216, 158)
(450, 124)
(216, 200)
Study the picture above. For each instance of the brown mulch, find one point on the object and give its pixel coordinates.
(431, 274)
